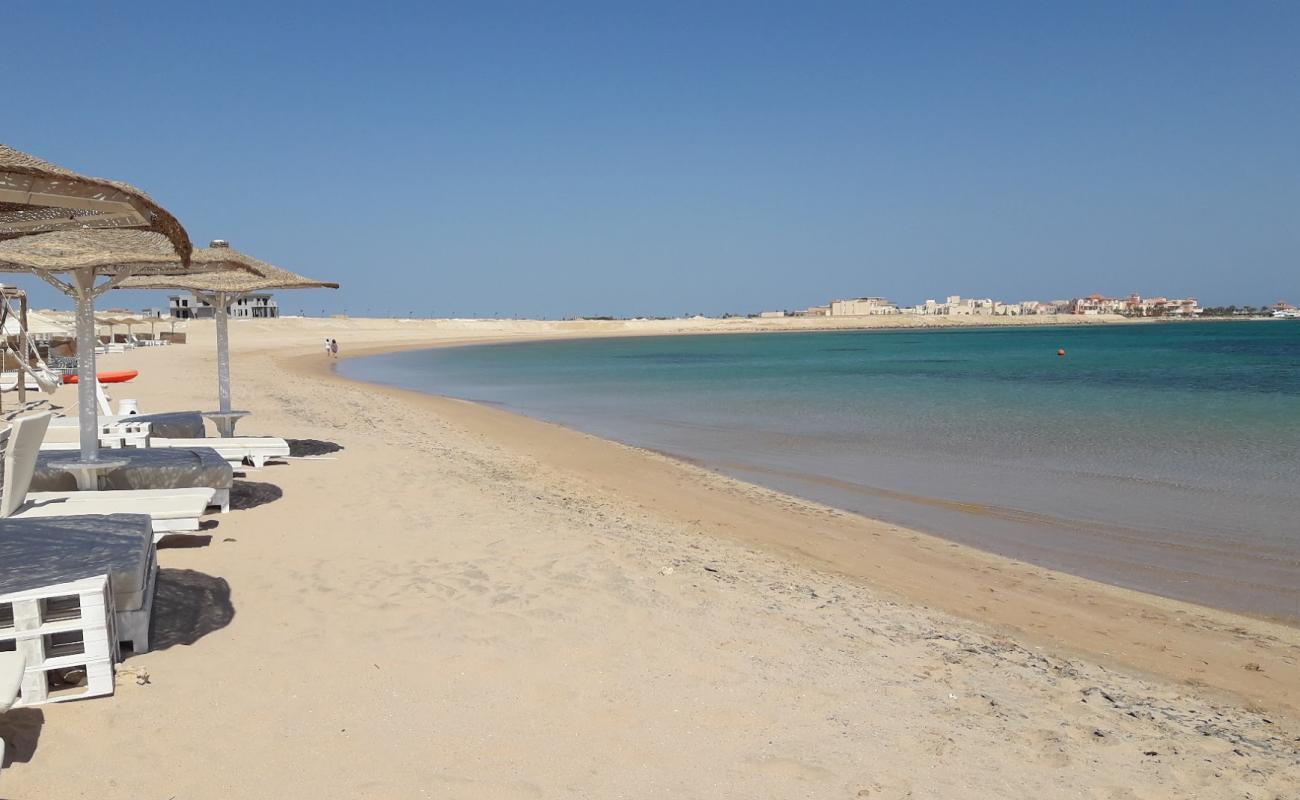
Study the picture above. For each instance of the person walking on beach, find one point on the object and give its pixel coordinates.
(329, 348)
(334, 348)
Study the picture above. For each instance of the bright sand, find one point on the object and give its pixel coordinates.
(467, 603)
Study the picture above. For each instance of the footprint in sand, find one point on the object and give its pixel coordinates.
(875, 791)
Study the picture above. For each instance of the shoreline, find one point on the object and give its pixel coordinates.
(1195, 646)
(1129, 551)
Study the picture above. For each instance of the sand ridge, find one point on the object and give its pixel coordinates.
(436, 611)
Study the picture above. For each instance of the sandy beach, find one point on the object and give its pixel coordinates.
(462, 602)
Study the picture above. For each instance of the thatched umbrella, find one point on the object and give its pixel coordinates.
(104, 321)
(130, 321)
(71, 261)
(39, 197)
(113, 320)
(234, 276)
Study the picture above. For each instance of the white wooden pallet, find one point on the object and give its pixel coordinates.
(133, 626)
(68, 635)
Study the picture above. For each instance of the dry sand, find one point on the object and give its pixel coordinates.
(465, 603)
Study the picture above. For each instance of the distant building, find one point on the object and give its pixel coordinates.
(958, 306)
(771, 314)
(1096, 304)
(862, 307)
(259, 305)
(1138, 306)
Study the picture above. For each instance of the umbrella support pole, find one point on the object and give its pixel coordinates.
(83, 291)
(87, 410)
(223, 418)
(223, 350)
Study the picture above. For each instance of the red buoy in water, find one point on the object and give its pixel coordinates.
(1061, 352)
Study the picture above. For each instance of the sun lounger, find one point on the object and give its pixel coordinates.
(254, 450)
(146, 468)
(140, 431)
(40, 553)
(171, 425)
(138, 342)
(124, 433)
(171, 510)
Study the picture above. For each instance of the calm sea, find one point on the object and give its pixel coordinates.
(1164, 458)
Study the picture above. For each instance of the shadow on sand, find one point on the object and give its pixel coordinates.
(305, 448)
(20, 728)
(251, 494)
(184, 541)
(188, 605)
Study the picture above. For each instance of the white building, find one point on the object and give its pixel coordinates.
(862, 307)
(258, 305)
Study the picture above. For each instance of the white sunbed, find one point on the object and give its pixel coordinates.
(138, 342)
(171, 510)
(117, 430)
(254, 450)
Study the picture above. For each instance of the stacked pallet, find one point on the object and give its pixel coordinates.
(52, 551)
(67, 635)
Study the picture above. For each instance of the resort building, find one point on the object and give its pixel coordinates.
(862, 307)
(958, 306)
(1137, 306)
(258, 305)
(1096, 304)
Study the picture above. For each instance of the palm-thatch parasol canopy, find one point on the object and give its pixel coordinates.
(72, 261)
(107, 252)
(39, 197)
(231, 274)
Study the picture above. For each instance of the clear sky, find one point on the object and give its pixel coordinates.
(553, 159)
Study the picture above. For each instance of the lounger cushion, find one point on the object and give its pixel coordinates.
(147, 468)
(174, 424)
(44, 552)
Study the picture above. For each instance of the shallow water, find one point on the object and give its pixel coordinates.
(1164, 458)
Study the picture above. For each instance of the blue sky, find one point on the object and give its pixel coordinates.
(613, 158)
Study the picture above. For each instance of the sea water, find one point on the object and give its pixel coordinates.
(1161, 457)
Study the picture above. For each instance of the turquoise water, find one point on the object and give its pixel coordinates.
(1164, 457)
